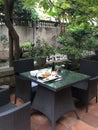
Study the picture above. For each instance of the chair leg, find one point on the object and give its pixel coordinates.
(15, 99)
(77, 115)
(96, 99)
(86, 104)
(86, 108)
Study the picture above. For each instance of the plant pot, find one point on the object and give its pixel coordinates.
(41, 61)
(71, 57)
(96, 52)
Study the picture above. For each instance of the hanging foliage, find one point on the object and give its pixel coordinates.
(21, 15)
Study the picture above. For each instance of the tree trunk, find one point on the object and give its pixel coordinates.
(11, 55)
(13, 36)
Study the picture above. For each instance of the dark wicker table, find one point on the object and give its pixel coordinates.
(54, 98)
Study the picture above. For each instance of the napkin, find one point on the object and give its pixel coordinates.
(33, 72)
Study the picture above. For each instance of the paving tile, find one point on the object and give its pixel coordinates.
(90, 119)
(95, 111)
(70, 114)
(40, 127)
(80, 125)
(60, 126)
(12, 98)
(68, 121)
(39, 121)
(81, 110)
(91, 106)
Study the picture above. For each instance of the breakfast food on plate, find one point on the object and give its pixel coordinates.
(46, 75)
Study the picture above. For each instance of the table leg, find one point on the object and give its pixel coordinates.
(54, 104)
(97, 94)
(53, 125)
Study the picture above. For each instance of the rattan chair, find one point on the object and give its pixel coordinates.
(20, 66)
(5, 99)
(24, 90)
(13, 117)
(23, 65)
(87, 90)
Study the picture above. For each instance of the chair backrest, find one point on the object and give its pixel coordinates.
(17, 118)
(23, 65)
(23, 88)
(89, 67)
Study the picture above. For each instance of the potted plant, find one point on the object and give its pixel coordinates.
(92, 45)
(73, 42)
(41, 51)
(95, 44)
(25, 49)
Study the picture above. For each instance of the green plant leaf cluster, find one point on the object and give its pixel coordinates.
(3, 38)
(41, 49)
(26, 45)
(76, 39)
(21, 13)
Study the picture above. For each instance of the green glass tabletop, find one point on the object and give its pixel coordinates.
(67, 78)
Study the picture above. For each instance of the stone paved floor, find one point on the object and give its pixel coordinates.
(88, 121)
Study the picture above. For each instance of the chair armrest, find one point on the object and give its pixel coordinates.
(17, 118)
(4, 96)
(93, 81)
(16, 108)
(94, 78)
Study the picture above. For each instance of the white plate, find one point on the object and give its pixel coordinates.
(50, 78)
